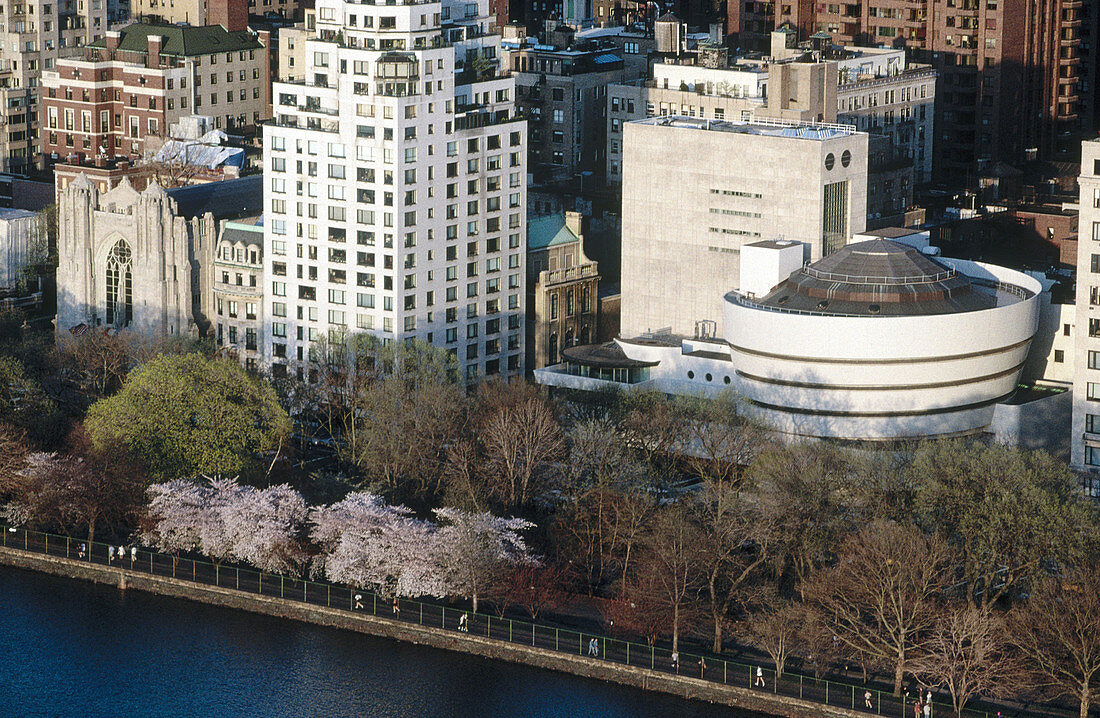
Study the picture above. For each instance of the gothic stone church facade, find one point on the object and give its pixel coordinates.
(143, 260)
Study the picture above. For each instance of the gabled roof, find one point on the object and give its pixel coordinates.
(242, 197)
(183, 40)
(548, 231)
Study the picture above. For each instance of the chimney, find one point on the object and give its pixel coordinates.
(230, 14)
(153, 44)
(111, 40)
(575, 222)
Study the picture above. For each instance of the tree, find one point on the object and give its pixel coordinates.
(475, 551)
(717, 442)
(264, 526)
(1005, 511)
(534, 588)
(82, 489)
(803, 491)
(403, 410)
(364, 541)
(881, 598)
(651, 427)
(98, 361)
(24, 404)
(224, 520)
(1058, 634)
(187, 415)
(520, 437)
(967, 654)
(13, 455)
(735, 538)
(669, 563)
(778, 629)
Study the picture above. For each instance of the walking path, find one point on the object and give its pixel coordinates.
(709, 668)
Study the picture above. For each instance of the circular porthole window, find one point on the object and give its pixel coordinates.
(830, 161)
(874, 308)
(691, 375)
(846, 158)
(727, 380)
(709, 377)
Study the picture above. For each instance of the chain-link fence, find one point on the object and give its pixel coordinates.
(713, 668)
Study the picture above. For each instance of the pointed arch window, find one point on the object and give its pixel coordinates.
(120, 285)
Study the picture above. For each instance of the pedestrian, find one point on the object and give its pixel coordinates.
(358, 600)
(867, 699)
(675, 659)
(928, 706)
(396, 607)
(916, 710)
(594, 647)
(81, 551)
(464, 622)
(121, 553)
(110, 554)
(760, 677)
(133, 555)
(702, 666)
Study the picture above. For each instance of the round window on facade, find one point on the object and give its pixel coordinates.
(709, 377)
(846, 158)
(830, 161)
(727, 380)
(691, 375)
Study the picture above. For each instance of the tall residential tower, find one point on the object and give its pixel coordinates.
(395, 195)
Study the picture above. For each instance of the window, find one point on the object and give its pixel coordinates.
(119, 276)
(1093, 391)
(1092, 423)
(1092, 457)
(1094, 360)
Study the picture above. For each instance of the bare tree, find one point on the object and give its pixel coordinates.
(1058, 634)
(967, 655)
(735, 539)
(778, 629)
(520, 437)
(670, 564)
(717, 443)
(881, 598)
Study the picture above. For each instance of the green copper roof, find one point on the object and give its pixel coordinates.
(548, 231)
(184, 40)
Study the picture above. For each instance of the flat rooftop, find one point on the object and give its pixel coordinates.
(763, 128)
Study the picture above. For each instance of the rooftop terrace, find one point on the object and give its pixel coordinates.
(768, 128)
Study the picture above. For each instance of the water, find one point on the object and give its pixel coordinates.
(71, 648)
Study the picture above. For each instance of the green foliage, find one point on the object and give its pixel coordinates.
(1005, 511)
(24, 404)
(187, 415)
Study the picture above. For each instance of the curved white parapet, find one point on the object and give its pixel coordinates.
(883, 377)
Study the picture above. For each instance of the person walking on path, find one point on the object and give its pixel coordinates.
(702, 666)
(396, 607)
(867, 699)
(358, 600)
(121, 554)
(928, 706)
(675, 659)
(133, 555)
(594, 647)
(462, 623)
(916, 710)
(110, 554)
(760, 678)
(81, 551)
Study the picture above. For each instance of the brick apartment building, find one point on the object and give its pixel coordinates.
(132, 85)
(1016, 77)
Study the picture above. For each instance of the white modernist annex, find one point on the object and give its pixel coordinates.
(876, 341)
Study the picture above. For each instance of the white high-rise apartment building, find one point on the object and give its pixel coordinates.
(1085, 432)
(395, 188)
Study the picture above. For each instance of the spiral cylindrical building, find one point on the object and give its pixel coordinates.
(879, 341)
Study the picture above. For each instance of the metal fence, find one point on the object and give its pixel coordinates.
(754, 676)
